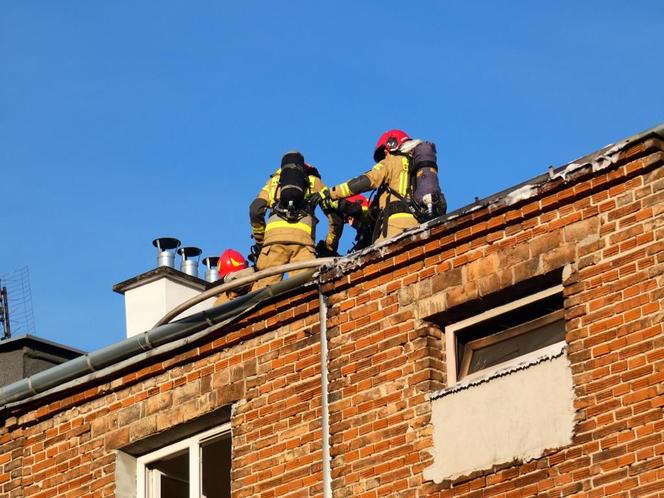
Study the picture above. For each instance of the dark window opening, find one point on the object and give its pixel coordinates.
(170, 476)
(216, 466)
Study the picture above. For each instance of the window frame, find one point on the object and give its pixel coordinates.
(193, 445)
(451, 331)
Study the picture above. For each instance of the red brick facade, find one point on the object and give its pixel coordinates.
(602, 222)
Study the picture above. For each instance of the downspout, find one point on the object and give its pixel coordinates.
(325, 415)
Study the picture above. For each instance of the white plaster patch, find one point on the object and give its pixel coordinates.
(602, 161)
(476, 207)
(516, 416)
(520, 194)
(570, 168)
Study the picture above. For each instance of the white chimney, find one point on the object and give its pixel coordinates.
(149, 296)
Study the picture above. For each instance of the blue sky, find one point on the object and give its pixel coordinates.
(123, 121)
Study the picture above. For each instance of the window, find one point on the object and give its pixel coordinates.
(505, 334)
(515, 400)
(198, 466)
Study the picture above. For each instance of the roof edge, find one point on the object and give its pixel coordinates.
(597, 161)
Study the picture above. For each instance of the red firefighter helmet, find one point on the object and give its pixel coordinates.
(359, 198)
(390, 140)
(231, 261)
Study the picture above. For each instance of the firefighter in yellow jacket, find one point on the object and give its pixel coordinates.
(405, 176)
(290, 233)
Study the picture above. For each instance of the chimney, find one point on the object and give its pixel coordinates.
(165, 247)
(150, 295)
(189, 263)
(212, 268)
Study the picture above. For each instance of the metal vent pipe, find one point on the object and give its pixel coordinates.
(189, 263)
(165, 250)
(211, 268)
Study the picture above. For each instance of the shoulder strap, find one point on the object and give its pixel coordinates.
(274, 186)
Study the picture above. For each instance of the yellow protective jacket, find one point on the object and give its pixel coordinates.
(393, 172)
(277, 230)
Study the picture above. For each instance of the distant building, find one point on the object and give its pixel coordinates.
(26, 355)
(511, 348)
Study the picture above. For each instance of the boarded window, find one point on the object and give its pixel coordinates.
(510, 392)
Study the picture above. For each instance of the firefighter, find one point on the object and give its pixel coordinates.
(290, 233)
(406, 179)
(232, 266)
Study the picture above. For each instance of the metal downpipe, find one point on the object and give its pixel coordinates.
(325, 415)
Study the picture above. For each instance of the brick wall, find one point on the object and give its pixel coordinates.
(266, 367)
(605, 227)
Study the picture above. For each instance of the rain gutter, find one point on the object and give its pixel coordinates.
(165, 337)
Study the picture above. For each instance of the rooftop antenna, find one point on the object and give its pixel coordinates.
(4, 314)
(15, 286)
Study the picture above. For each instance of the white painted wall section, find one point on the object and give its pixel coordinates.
(516, 415)
(146, 304)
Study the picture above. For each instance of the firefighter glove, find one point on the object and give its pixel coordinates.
(321, 198)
